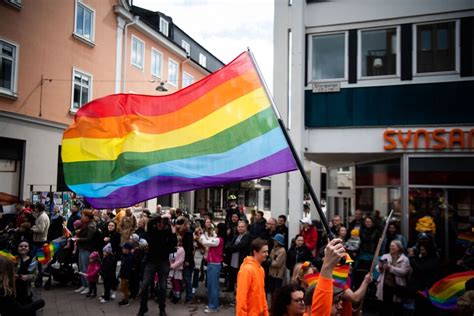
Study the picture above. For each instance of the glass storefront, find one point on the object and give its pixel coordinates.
(439, 194)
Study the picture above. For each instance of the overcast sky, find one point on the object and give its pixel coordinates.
(224, 27)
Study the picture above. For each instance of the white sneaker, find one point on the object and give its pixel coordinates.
(103, 301)
(85, 291)
(194, 290)
(79, 289)
(113, 295)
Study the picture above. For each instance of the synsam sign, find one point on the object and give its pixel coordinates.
(438, 139)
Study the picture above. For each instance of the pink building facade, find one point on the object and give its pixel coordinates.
(58, 55)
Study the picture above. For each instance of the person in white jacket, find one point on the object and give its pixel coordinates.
(394, 268)
(41, 226)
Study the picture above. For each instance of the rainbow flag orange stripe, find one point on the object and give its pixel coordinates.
(125, 148)
(446, 292)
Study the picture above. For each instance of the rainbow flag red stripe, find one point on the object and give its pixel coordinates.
(125, 148)
(46, 253)
(446, 292)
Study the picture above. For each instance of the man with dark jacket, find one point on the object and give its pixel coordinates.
(162, 241)
(257, 229)
(238, 249)
(75, 215)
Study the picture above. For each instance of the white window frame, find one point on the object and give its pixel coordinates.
(186, 47)
(185, 74)
(359, 53)
(81, 36)
(75, 70)
(457, 49)
(346, 55)
(170, 61)
(136, 38)
(202, 60)
(160, 54)
(164, 26)
(13, 91)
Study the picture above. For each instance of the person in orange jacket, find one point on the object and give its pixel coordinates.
(323, 302)
(251, 299)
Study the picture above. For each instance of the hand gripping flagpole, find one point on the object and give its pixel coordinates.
(324, 220)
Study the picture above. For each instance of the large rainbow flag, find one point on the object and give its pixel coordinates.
(446, 292)
(126, 148)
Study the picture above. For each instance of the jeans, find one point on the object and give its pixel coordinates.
(213, 273)
(187, 282)
(196, 278)
(162, 268)
(83, 262)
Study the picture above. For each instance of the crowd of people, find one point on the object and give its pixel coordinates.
(164, 255)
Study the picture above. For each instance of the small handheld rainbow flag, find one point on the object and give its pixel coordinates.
(445, 293)
(46, 253)
(311, 279)
(7, 255)
(340, 274)
(465, 239)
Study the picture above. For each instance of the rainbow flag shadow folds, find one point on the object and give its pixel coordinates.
(125, 148)
(446, 292)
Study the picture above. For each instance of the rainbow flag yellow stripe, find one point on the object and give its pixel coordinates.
(123, 149)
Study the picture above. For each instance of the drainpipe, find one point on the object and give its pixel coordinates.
(124, 61)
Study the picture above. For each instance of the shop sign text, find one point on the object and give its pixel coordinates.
(438, 139)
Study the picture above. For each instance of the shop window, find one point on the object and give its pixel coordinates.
(442, 171)
(8, 67)
(156, 63)
(379, 201)
(443, 214)
(386, 172)
(138, 52)
(436, 47)
(84, 22)
(328, 57)
(172, 72)
(378, 52)
(82, 89)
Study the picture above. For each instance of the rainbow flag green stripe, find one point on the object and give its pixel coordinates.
(123, 149)
(127, 162)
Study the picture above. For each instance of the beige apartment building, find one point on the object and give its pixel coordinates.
(57, 55)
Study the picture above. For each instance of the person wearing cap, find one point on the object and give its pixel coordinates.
(107, 271)
(310, 234)
(276, 271)
(232, 208)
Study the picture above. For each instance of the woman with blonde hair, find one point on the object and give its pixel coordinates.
(10, 306)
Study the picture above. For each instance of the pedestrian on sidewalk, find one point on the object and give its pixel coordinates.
(176, 270)
(92, 274)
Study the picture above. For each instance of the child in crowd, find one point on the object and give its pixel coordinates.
(176, 270)
(92, 274)
(352, 244)
(137, 258)
(199, 252)
(126, 270)
(107, 271)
